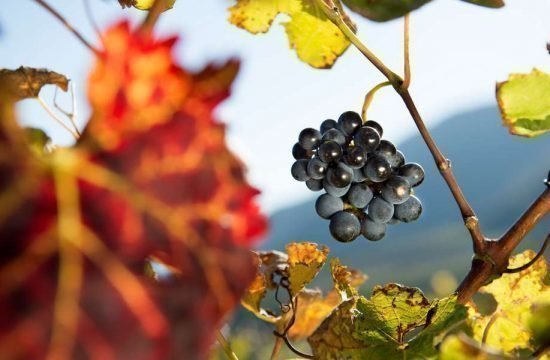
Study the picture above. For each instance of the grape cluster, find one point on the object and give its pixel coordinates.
(366, 181)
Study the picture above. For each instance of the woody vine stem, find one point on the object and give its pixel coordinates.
(490, 256)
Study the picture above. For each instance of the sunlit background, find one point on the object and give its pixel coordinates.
(459, 51)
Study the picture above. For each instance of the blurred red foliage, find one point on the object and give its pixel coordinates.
(149, 185)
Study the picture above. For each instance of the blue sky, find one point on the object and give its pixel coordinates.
(459, 51)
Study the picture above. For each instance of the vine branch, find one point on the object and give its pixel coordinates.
(499, 251)
(490, 257)
(333, 14)
(64, 21)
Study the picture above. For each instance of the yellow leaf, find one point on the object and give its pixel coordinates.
(312, 309)
(305, 260)
(346, 281)
(315, 38)
(255, 294)
(269, 263)
(460, 347)
(143, 4)
(515, 295)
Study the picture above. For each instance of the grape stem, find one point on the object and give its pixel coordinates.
(370, 96)
(490, 256)
(64, 21)
(406, 52)
(532, 261)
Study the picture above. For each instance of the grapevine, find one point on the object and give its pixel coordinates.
(140, 239)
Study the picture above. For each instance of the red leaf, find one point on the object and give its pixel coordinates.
(150, 181)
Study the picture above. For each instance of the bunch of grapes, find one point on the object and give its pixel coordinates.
(368, 185)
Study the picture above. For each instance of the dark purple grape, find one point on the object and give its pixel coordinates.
(327, 205)
(397, 160)
(367, 137)
(380, 210)
(372, 230)
(413, 172)
(339, 175)
(333, 190)
(410, 210)
(374, 124)
(396, 190)
(393, 220)
(377, 169)
(330, 152)
(344, 226)
(316, 168)
(355, 157)
(309, 138)
(359, 195)
(314, 185)
(349, 121)
(299, 170)
(327, 125)
(358, 175)
(386, 149)
(334, 135)
(298, 152)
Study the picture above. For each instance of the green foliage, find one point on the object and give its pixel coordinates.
(384, 10)
(487, 3)
(378, 328)
(524, 101)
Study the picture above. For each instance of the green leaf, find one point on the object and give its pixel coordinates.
(376, 328)
(487, 3)
(391, 312)
(524, 101)
(442, 316)
(334, 339)
(384, 10)
(315, 38)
